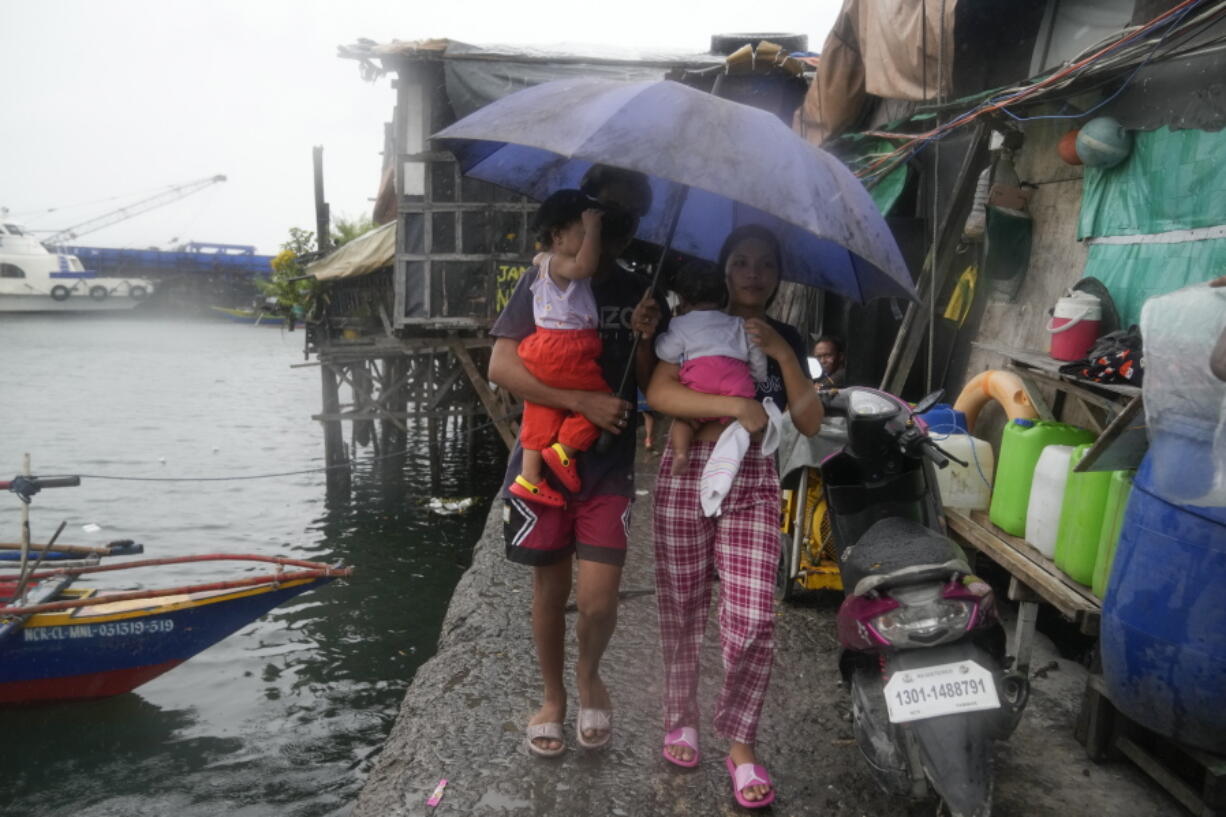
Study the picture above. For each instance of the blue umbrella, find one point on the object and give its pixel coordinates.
(714, 165)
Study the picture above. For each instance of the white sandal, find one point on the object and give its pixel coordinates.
(597, 720)
(548, 731)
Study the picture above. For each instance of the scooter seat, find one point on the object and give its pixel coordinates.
(897, 551)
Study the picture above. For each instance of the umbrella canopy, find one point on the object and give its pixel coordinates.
(727, 164)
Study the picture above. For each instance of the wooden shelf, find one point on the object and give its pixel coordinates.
(1123, 439)
(1028, 566)
(1044, 365)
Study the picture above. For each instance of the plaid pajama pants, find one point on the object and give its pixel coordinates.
(743, 545)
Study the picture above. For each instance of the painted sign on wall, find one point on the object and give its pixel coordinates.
(506, 279)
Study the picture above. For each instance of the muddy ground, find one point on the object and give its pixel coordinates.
(464, 715)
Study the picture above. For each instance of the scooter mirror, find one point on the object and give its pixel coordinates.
(815, 369)
(928, 402)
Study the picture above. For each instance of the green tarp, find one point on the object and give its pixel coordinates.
(1134, 273)
(1172, 181)
(862, 151)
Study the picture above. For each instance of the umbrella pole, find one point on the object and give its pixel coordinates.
(674, 216)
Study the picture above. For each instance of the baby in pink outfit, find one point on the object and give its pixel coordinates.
(710, 346)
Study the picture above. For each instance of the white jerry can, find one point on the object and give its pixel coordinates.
(969, 487)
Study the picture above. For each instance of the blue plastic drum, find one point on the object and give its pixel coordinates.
(1163, 636)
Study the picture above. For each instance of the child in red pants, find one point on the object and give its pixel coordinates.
(564, 349)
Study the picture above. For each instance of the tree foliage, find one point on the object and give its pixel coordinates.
(287, 284)
(346, 229)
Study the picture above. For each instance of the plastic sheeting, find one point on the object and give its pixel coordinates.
(878, 47)
(361, 256)
(1160, 93)
(473, 85)
(1172, 181)
(1071, 27)
(477, 75)
(1185, 404)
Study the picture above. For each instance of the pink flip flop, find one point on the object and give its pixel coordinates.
(682, 736)
(746, 775)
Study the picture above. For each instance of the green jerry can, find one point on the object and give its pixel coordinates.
(1081, 519)
(1021, 443)
(1113, 520)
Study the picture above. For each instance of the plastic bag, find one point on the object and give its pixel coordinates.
(1185, 403)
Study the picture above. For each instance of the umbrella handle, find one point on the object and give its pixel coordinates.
(605, 441)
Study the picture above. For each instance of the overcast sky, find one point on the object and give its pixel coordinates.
(107, 100)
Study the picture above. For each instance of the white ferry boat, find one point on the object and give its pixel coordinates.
(32, 279)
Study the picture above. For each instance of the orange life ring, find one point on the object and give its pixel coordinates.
(1004, 387)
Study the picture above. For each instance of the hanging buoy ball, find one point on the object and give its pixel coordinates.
(1068, 148)
(1103, 142)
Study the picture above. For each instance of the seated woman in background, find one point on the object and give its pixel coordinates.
(830, 351)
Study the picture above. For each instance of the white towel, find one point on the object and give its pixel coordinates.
(725, 460)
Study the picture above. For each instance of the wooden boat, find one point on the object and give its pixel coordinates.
(77, 643)
(62, 643)
(251, 316)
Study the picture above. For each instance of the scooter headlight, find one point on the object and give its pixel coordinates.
(869, 404)
(934, 621)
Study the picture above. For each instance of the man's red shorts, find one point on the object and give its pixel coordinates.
(594, 529)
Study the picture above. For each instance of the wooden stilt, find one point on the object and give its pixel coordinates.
(400, 380)
(432, 427)
(334, 437)
(482, 388)
(470, 440)
(362, 399)
(394, 437)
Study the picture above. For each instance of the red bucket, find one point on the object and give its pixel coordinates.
(1074, 326)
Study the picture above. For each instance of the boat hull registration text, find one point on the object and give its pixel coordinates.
(107, 630)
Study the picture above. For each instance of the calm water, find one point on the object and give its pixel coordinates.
(285, 716)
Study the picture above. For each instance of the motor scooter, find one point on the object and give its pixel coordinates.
(923, 649)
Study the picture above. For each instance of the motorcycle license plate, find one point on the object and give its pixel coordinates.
(943, 689)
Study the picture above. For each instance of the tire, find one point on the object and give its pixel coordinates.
(59, 292)
(98, 292)
(725, 44)
(138, 293)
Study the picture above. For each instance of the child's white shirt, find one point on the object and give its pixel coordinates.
(706, 332)
(556, 308)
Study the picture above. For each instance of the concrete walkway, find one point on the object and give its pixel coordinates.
(464, 715)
